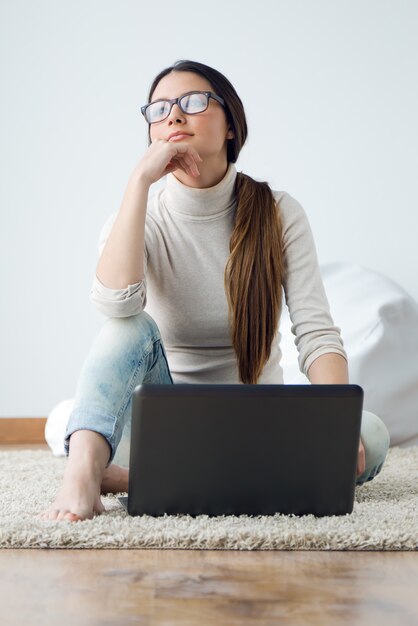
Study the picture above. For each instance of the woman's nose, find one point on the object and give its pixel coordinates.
(176, 113)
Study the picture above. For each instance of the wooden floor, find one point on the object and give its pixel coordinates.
(174, 587)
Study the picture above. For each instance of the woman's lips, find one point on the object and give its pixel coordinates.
(179, 137)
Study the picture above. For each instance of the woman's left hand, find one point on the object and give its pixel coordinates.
(361, 459)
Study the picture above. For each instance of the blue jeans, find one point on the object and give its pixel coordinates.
(128, 352)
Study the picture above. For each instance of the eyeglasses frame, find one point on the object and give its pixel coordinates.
(209, 95)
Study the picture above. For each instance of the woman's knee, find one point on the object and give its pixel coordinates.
(376, 439)
(120, 333)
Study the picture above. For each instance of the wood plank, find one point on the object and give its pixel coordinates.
(24, 446)
(22, 430)
(180, 587)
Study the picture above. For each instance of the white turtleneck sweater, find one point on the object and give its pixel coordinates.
(187, 234)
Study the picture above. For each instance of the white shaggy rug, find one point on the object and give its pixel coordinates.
(385, 516)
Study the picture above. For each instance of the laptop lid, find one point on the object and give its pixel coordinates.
(244, 449)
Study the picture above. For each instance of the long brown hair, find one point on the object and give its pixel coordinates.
(255, 268)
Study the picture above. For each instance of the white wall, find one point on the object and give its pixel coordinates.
(330, 90)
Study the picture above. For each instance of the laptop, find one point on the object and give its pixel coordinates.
(243, 449)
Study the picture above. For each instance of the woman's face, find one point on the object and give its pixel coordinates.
(208, 130)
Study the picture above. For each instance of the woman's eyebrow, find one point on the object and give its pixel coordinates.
(182, 94)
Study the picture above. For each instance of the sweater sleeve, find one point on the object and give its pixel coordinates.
(117, 302)
(309, 311)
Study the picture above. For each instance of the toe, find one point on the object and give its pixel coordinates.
(72, 517)
(61, 515)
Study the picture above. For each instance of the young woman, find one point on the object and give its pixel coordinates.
(209, 255)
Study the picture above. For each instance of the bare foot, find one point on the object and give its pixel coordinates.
(115, 479)
(79, 496)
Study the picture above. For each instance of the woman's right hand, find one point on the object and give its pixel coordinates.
(163, 157)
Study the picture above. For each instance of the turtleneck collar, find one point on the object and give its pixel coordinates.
(201, 204)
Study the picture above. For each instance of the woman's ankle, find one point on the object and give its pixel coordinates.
(91, 448)
(115, 479)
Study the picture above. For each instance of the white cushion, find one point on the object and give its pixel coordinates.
(379, 327)
(56, 424)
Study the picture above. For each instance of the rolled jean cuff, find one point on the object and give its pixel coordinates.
(88, 418)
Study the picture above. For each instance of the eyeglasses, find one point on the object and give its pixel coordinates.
(191, 103)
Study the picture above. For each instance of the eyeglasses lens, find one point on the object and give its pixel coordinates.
(194, 103)
(157, 111)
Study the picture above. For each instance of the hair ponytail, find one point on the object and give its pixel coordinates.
(253, 276)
